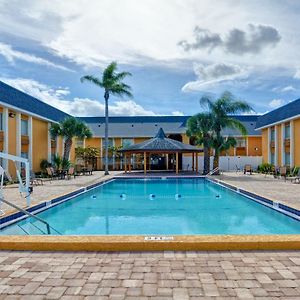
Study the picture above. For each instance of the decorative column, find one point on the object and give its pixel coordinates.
(269, 145)
(167, 161)
(129, 161)
(49, 143)
(292, 143)
(282, 147)
(145, 163)
(193, 162)
(5, 137)
(197, 167)
(276, 163)
(176, 162)
(30, 141)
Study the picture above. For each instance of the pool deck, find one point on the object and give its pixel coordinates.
(52, 189)
(149, 275)
(269, 187)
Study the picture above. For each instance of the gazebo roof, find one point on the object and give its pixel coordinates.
(160, 143)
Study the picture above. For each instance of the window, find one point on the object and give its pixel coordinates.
(240, 142)
(287, 158)
(287, 132)
(24, 155)
(272, 134)
(272, 158)
(24, 127)
(127, 142)
(110, 142)
(79, 143)
(1, 121)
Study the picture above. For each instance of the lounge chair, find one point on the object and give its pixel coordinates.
(248, 169)
(295, 178)
(79, 170)
(237, 169)
(71, 172)
(51, 173)
(282, 172)
(89, 169)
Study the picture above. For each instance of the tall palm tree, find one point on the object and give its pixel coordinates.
(68, 129)
(200, 126)
(222, 111)
(112, 84)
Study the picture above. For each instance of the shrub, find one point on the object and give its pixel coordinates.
(265, 168)
(44, 164)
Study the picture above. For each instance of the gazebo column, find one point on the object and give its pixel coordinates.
(129, 163)
(145, 162)
(193, 161)
(125, 163)
(167, 161)
(197, 169)
(176, 162)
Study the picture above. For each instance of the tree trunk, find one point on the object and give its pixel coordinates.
(106, 96)
(67, 148)
(216, 161)
(206, 166)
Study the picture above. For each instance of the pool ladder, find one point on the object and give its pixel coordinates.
(28, 214)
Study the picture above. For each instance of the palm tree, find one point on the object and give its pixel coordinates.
(112, 84)
(68, 129)
(222, 111)
(200, 126)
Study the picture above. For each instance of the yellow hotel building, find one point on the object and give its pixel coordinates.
(25, 122)
(280, 131)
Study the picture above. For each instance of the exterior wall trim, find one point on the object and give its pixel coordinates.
(279, 122)
(23, 111)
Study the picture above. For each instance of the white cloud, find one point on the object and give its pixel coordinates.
(11, 55)
(177, 113)
(139, 32)
(213, 75)
(297, 74)
(237, 41)
(76, 106)
(288, 88)
(276, 103)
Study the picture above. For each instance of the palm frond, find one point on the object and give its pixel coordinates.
(92, 79)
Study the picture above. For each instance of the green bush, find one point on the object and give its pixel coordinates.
(44, 164)
(265, 168)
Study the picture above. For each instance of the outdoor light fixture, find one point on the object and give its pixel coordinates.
(256, 149)
(11, 114)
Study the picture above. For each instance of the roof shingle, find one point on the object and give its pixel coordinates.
(23, 101)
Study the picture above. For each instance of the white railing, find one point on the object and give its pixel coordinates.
(215, 170)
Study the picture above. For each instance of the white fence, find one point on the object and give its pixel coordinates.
(227, 163)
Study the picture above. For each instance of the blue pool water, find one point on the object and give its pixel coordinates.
(176, 207)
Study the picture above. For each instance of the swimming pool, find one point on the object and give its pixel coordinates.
(194, 206)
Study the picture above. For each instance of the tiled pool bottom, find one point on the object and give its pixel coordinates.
(194, 206)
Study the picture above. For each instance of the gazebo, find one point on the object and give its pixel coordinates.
(161, 145)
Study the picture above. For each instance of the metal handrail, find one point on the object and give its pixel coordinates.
(27, 213)
(214, 171)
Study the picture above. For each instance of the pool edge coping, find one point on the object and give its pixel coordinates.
(138, 242)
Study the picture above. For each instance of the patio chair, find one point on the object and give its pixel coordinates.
(78, 170)
(237, 169)
(282, 172)
(248, 169)
(51, 173)
(71, 172)
(35, 180)
(295, 178)
(89, 169)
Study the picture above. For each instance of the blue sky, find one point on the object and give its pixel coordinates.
(177, 51)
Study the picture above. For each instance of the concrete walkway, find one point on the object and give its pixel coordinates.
(141, 276)
(267, 186)
(52, 189)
